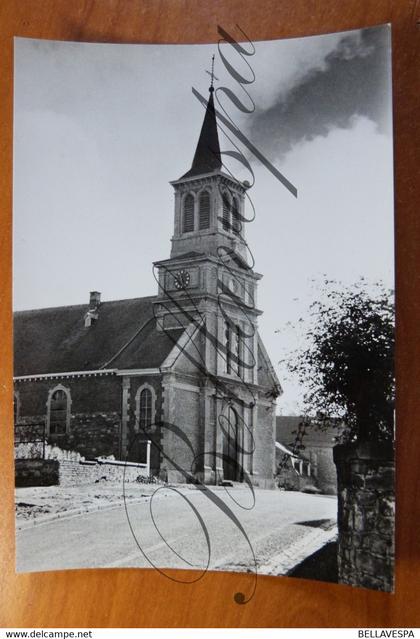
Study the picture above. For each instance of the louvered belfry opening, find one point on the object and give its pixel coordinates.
(226, 212)
(204, 210)
(188, 221)
(236, 223)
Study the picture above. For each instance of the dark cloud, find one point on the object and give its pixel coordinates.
(355, 81)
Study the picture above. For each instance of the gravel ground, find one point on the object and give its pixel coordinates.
(38, 501)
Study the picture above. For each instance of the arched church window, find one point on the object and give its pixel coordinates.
(145, 409)
(204, 210)
(236, 223)
(188, 214)
(58, 412)
(145, 403)
(226, 212)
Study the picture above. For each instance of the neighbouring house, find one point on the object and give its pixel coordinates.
(294, 472)
(315, 459)
(106, 377)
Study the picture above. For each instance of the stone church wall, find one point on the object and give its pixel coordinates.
(94, 428)
(93, 434)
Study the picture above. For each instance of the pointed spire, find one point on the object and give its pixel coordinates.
(207, 156)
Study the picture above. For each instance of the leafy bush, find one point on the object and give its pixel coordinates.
(347, 361)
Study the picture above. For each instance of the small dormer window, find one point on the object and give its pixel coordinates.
(92, 313)
(90, 318)
(188, 214)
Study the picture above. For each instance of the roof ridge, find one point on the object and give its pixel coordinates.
(74, 306)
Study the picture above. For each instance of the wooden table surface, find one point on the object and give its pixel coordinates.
(138, 598)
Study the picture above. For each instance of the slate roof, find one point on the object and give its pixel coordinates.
(207, 156)
(55, 340)
(287, 428)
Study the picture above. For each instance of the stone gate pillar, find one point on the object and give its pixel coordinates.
(366, 499)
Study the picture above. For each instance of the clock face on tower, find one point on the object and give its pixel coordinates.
(181, 279)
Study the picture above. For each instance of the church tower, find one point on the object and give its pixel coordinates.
(207, 289)
(209, 204)
(209, 251)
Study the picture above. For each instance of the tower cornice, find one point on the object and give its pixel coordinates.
(180, 261)
(206, 178)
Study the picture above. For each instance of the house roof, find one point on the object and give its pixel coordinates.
(207, 156)
(284, 449)
(287, 427)
(55, 340)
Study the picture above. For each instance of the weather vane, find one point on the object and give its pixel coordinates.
(213, 77)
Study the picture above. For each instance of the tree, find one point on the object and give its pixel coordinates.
(347, 361)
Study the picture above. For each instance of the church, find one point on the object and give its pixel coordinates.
(184, 374)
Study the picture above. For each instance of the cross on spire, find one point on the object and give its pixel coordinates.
(212, 76)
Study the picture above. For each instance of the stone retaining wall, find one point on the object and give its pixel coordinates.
(366, 501)
(36, 472)
(52, 472)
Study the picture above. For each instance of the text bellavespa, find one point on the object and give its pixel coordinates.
(394, 633)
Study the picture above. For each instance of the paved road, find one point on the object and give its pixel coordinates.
(278, 526)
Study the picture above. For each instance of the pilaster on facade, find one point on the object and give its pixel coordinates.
(218, 436)
(248, 439)
(125, 408)
(209, 433)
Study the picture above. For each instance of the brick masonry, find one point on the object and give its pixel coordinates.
(366, 502)
(135, 448)
(103, 421)
(92, 434)
(94, 428)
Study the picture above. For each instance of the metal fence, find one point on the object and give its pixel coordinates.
(30, 441)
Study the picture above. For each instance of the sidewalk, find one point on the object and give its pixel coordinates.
(38, 504)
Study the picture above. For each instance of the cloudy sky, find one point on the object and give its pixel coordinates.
(101, 129)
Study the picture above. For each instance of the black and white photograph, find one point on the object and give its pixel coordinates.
(203, 277)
